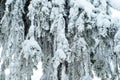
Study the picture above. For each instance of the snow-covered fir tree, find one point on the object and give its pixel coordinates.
(72, 38)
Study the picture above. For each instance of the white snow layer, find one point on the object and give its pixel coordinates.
(81, 3)
(30, 48)
(115, 4)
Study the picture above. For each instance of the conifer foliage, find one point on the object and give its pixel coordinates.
(72, 39)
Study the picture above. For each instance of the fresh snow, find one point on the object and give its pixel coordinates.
(30, 46)
(115, 4)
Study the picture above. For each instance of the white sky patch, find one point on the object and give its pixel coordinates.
(0, 57)
(95, 77)
(115, 13)
(1, 63)
(37, 74)
(7, 71)
(0, 51)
